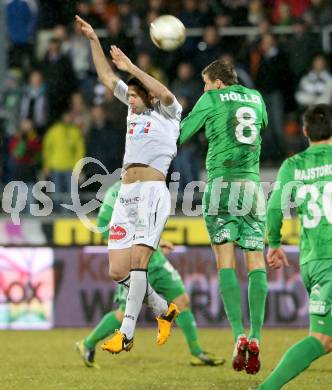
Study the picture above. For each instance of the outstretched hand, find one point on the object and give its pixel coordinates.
(166, 246)
(86, 28)
(276, 258)
(121, 61)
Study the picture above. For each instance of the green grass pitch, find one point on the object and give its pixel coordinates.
(46, 360)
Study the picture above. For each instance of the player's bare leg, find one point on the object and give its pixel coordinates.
(257, 293)
(138, 289)
(119, 265)
(231, 295)
(165, 315)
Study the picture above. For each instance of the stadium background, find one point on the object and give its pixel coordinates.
(53, 271)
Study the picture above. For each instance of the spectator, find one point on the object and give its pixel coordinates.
(63, 146)
(21, 20)
(59, 77)
(99, 92)
(143, 41)
(130, 19)
(206, 8)
(144, 62)
(271, 79)
(316, 86)
(103, 142)
(242, 75)
(237, 12)
(80, 56)
(34, 103)
(185, 85)
(117, 114)
(24, 150)
(85, 11)
(254, 41)
(10, 101)
(53, 12)
(80, 112)
(60, 32)
(116, 36)
(191, 18)
(209, 48)
(302, 46)
(157, 6)
(256, 12)
(187, 163)
(296, 9)
(103, 9)
(295, 140)
(284, 16)
(319, 13)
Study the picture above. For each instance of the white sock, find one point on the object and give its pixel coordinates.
(155, 302)
(136, 294)
(125, 281)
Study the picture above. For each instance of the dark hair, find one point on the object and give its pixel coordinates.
(317, 121)
(221, 70)
(140, 90)
(133, 81)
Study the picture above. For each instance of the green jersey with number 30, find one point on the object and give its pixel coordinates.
(233, 118)
(305, 180)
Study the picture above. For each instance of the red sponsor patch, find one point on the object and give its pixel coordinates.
(117, 232)
(147, 127)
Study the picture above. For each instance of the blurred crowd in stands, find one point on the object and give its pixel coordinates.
(54, 110)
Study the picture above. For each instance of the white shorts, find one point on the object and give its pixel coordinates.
(139, 216)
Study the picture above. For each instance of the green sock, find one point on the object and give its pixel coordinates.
(106, 326)
(295, 360)
(257, 293)
(186, 321)
(231, 296)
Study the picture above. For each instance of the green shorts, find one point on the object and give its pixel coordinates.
(235, 214)
(317, 278)
(163, 278)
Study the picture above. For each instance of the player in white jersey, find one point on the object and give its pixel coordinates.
(143, 203)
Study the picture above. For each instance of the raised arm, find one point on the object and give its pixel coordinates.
(104, 70)
(196, 119)
(159, 90)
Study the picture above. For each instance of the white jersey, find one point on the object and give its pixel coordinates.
(152, 135)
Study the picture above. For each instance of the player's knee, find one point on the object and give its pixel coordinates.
(182, 302)
(117, 274)
(254, 265)
(119, 315)
(255, 260)
(328, 346)
(325, 340)
(136, 262)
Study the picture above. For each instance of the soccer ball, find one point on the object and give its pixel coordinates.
(167, 32)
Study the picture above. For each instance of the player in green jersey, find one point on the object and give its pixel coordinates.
(306, 180)
(164, 279)
(233, 117)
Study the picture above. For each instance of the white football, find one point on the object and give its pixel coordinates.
(167, 32)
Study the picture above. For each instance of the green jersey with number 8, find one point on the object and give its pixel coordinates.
(305, 180)
(233, 118)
